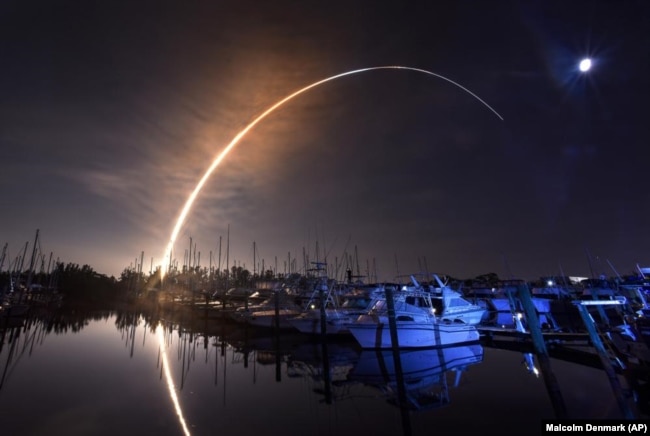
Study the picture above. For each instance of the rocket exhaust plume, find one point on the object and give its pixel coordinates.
(192, 197)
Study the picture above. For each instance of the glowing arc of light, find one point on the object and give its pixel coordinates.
(170, 380)
(190, 200)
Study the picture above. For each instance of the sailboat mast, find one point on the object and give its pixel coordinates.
(4, 254)
(49, 263)
(22, 259)
(31, 262)
(228, 256)
(187, 258)
(356, 259)
(210, 266)
(219, 267)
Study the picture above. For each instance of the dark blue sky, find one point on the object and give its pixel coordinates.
(112, 111)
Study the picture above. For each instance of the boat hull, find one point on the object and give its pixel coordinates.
(542, 305)
(336, 322)
(412, 334)
(312, 326)
(267, 318)
(472, 317)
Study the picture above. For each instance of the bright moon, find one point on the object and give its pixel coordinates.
(585, 65)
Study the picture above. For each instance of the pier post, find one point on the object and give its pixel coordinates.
(278, 358)
(323, 314)
(278, 363)
(392, 323)
(327, 377)
(605, 360)
(397, 361)
(276, 319)
(552, 386)
(513, 310)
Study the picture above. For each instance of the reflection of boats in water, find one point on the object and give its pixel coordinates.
(423, 373)
(326, 365)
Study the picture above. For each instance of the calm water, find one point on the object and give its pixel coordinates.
(113, 373)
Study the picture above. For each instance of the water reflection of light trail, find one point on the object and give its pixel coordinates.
(190, 200)
(168, 378)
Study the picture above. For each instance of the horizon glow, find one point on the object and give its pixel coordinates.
(194, 194)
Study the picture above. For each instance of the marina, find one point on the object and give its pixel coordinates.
(308, 353)
(99, 372)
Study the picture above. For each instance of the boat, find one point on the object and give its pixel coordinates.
(507, 295)
(339, 311)
(423, 373)
(273, 312)
(553, 288)
(416, 323)
(451, 306)
(506, 304)
(12, 305)
(598, 289)
(636, 290)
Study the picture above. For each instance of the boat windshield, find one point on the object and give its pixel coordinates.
(356, 303)
(418, 301)
(456, 302)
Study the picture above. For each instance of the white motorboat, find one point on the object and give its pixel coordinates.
(270, 313)
(416, 324)
(450, 305)
(337, 315)
(453, 307)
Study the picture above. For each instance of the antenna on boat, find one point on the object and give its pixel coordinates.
(442, 285)
(641, 270)
(614, 269)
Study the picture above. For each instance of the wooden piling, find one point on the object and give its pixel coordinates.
(327, 377)
(605, 360)
(552, 385)
(399, 374)
(276, 319)
(392, 323)
(323, 314)
(278, 359)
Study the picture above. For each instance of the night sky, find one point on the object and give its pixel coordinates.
(111, 111)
